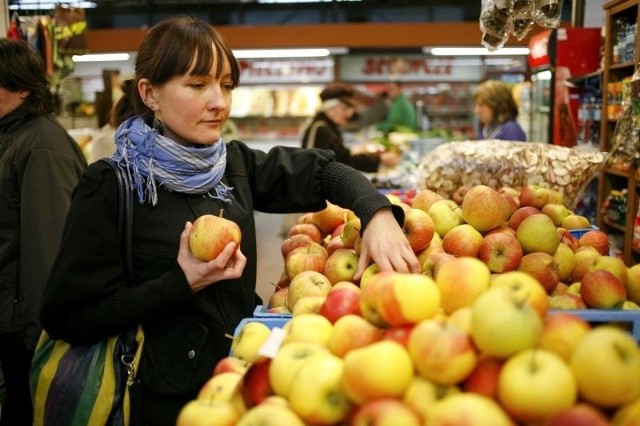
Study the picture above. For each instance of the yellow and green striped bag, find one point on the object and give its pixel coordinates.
(85, 385)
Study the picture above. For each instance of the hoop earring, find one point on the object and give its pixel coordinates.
(157, 124)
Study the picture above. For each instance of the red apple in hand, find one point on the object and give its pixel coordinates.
(210, 234)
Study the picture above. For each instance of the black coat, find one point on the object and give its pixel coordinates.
(39, 166)
(328, 136)
(186, 333)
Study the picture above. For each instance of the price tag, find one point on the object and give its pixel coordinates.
(272, 344)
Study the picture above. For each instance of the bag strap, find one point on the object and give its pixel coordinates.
(311, 141)
(125, 216)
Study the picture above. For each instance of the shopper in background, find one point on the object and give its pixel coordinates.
(401, 115)
(40, 164)
(497, 111)
(337, 108)
(168, 137)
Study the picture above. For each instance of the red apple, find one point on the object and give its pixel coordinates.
(501, 252)
(329, 218)
(334, 243)
(580, 414)
(309, 229)
(385, 411)
(351, 232)
(255, 383)
(483, 379)
(561, 333)
(399, 333)
(341, 265)
(462, 240)
(600, 289)
(534, 195)
(520, 214)
(597, 239)
(566, 301)
(568, 238)
(424, 199)
(309, 258)
(543, 267)
(459, 193)
(350, 332)
(279, 297)
(231, 364)
(340, 302)
(419, 229)
(294, 241)
(210, 234)
(484, 208)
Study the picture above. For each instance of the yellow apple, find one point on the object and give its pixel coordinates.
(424, 199)
(224, 387)
(534, 195)
(461, 281)
(248, 341)
(536, 293)
(576, 221)
(446, 214)
(307, 283)
(442, 352)
(468, 409)
(308, 305)
(503, 322)
(422, 394)
(535, 384)
(369, 271)
(537, 233)
(627, 415)
(565, 258)
(269, 414)
(403, 298)
(381, 369)
(561, 333)
(329, 218)
(633, 284)
(206, 413)
(287, 361)
(461, 318)
(606, 365)
(351, 332)
(316, 393)
(307, 328)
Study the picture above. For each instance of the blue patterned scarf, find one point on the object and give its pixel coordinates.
(151, 159)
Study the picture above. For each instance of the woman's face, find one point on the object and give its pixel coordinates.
(341, 113)
(192, 108)
(484, 112)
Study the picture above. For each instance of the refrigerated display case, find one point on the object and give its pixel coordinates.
(558, 55)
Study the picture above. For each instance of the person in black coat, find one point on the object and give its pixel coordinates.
(169, 124)
(40, 164)
(325, 131)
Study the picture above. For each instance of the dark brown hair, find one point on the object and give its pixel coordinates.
(173, 47)
(22, 68)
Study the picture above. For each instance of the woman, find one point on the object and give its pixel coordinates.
(338, 106)
(497, 112)
(39, 166)
(169, 123)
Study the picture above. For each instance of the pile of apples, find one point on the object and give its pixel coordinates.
(527, 230)
(402, 360)
(470, 340)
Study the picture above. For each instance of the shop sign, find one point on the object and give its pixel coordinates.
(415, 68)
(286, 71)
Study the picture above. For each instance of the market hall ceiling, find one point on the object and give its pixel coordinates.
(140, 13)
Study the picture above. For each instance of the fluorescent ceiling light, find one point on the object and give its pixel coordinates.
(39, 5)
(287, 53)
(478, 51)
(101, 57)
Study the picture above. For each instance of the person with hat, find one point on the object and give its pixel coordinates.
(337, 108)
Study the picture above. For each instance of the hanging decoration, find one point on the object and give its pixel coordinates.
(500, 19)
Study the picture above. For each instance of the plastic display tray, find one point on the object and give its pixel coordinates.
(261, 312)
(580, 232)
(269, 322)
(629, 319)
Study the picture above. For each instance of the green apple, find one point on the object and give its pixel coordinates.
(446, 214)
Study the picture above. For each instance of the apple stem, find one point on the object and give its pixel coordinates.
(221, 212)
(228, 336)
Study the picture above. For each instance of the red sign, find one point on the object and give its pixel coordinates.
(539, 50)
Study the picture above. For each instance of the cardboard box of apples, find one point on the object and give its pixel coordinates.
(480, 337)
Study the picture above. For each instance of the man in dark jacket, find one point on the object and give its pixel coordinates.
(40, 165)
